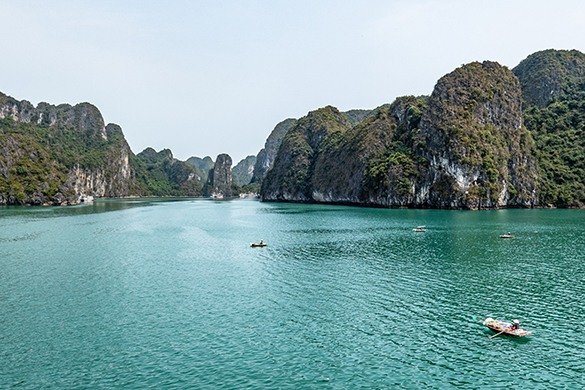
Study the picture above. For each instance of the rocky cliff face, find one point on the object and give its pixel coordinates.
(291, 177)
(243, 171)
(220, 178)
(473, 138)
(464, 147)
(266, 156)
(54, 154)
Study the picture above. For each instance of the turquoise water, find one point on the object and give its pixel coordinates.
(167, 294)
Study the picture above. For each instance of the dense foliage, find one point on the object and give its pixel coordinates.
(554, 113)
(159, 174)
(559, 132)
(543, 74)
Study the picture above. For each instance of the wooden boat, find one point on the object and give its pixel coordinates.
(505, 328)
(254, 244)
(506, 236)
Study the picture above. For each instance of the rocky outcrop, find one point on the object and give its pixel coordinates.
(543, 74)
(160, 174)
(464, 147)
(54, 154)
(243, 171)
(201, 167)
(266, 156)
(291, 177)
(473, 138)
(220, 178)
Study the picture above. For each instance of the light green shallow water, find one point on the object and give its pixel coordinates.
(168, 295)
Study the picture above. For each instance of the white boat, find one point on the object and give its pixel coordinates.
(85, 198)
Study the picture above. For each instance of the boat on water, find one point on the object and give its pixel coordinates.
(502, 327)
(254, 244)
(85, 198)
(506, 235)
(420, 229)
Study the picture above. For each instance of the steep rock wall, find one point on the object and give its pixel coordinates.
(54, 154)
(266, 156)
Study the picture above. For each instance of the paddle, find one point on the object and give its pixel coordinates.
(491, 337)
(477, 319)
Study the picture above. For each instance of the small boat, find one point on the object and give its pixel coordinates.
(506, 235)
(85, 198)
(254, 244)
(420, 229)
(505, 328)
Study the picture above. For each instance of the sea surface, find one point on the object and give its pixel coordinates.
(168, 294)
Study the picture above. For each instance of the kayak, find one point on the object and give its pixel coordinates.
(258, 244)
(505, 328)
(506, 236)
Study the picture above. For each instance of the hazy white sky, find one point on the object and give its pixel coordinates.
(209, 77)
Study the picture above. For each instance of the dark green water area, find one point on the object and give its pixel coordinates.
(168, 294)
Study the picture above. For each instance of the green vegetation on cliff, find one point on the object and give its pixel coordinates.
(36, 156)
(543, 74)
(553, 86)
(559, 132)
(474, 121)
(159, 174)
(294, 164)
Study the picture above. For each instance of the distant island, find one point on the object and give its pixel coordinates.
(486, 138)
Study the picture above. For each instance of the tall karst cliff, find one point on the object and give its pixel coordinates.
(53, 154)
(220, 177)
(472, 135)
(463, 147)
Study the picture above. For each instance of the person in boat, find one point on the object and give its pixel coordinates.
(261, 242)
(516, 325)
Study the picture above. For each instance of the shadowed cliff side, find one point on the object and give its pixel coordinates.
(291, 175)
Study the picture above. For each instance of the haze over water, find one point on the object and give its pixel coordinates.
(168, 294)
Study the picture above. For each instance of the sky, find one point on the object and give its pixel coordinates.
(208, 77)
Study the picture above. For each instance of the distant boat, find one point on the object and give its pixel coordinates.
(217, 196)
(420, 229)
(85, 198)
(507, 235)
(254, 244)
